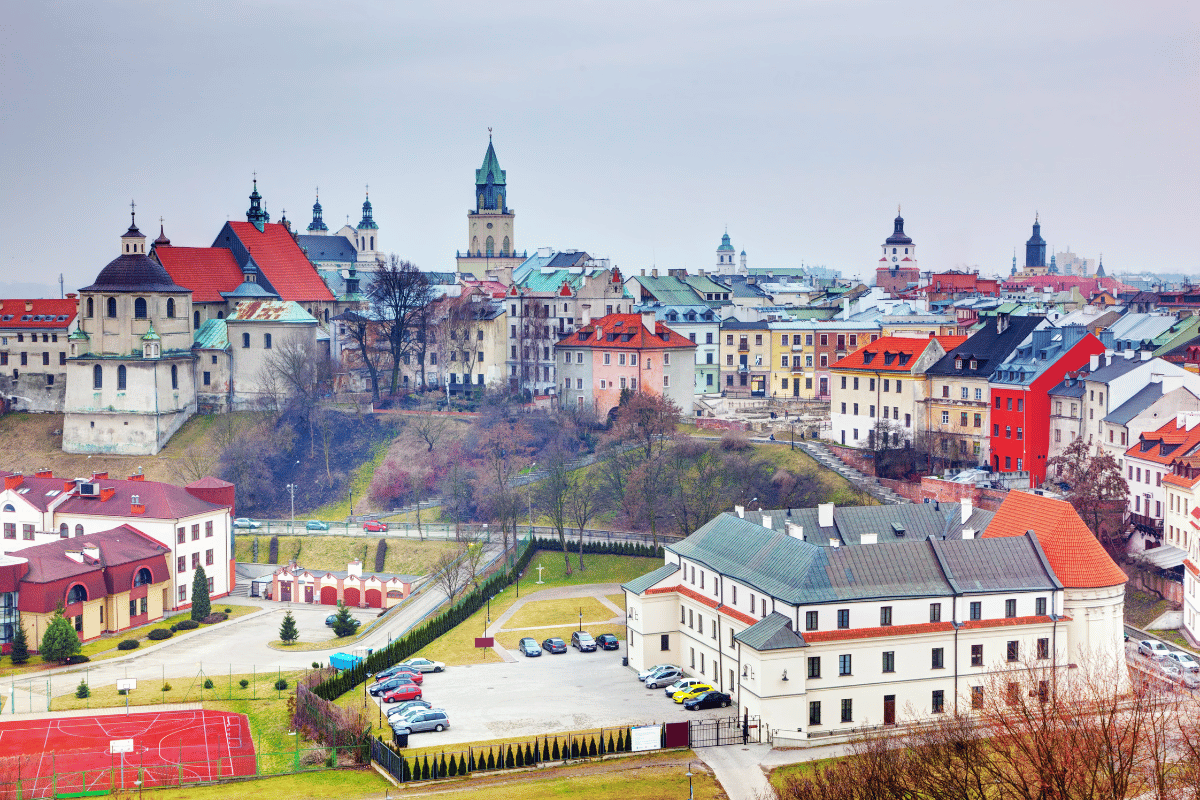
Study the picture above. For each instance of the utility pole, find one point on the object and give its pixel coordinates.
(291, 487)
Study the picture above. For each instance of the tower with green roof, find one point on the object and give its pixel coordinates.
(491, 245)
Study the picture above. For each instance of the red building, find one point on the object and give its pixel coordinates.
(956, 285)
(1020, 396)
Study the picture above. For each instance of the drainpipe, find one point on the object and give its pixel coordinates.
(954, 619)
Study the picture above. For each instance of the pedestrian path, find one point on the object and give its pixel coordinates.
(599, 591)
(864, 482)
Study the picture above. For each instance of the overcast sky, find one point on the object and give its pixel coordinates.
(635, 131)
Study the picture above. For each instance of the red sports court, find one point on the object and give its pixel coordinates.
(51, 757)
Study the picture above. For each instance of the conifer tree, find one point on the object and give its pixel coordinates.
(60, 641)
(201, 603)
(288, 632)
(20, 646)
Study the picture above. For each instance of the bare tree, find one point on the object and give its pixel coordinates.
(1096, 488)
(364, 331)
(583, 503)
(461, 334)
(474, 548)
(428, 424)
(299, 369)
(552, 498)
(649, 420)
(452, 574)
(399, 294)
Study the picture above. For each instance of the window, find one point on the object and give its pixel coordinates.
(976, 655)
(946, 391)
(814, 712)
(935, 612)
(97, 377)
(208, 558)
(939, 658)
(78, 531)
(111, 307)
(962, 419)
(844, 664)
(843, 618)
(27, 532)
(938, 703)
(810, 621)
(1020, 433)
(664, 642)
(814, 666)
(10, 530)
(976, 610)
(1010, 607)
(183, 592)
(1040, 606)
(979, 420)
(856, 383)
(1043, 648)
(847, 710)
(945, 417)
(889, 661)
(976, 697)
(1014, 650)
(996, 429)
(174, 377)
(196, 532)
(180, 535)
(195, 560)
(885, 616)
(121, 378)
(181, 564)
(245, 340)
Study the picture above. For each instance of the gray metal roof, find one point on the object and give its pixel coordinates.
(1115, 367)
(991, 565)
(639, 585)
(773, 632)
(1146, 397)
(903, 522)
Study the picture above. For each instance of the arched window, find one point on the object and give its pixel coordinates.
(174, 377)
(491, 246)
(372, 243)
(139, 308)
(220, 315)
(9, 507)
(112, 307)
(245, 340)
(91, 308)
(196, 320)
(143, 577)
(121, 378)
(481, 201)
(893, 251)
(327, 315)
(97, 377)
(77, 594)
(474, 244)
(504, 249)
(64, 531)
(500, 200)
(78, 531)
(170, 308)
(266, 341)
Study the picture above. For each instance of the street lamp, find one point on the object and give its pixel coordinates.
(291, 487)
(691, 795)
(581, 619)
(793, 434)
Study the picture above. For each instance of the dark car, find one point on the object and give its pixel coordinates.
(554, 645)
(708, 700)
(529, 647)
(399, 669)
(606, 641)
(389, 684)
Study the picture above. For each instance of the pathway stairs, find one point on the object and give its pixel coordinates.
(866, 483)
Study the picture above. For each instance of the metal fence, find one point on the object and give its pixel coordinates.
(724, 731)
(447, 531)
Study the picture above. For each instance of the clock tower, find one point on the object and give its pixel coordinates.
(897, 269)
(491, 245)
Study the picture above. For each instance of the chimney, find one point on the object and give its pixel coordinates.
(869, 538)
(99, 475)
(44, 473)
(1094, 362)
(1147, 355)
(587, 316)
(69, 486)
(654, 272)
(135, 505)
(966, 509)
(825, 515)
(354, 568)
(13, 481)
(138, 476)
(968, 533)
(835, 543)
(648, 321)
(29, 305)
(740, 511)
(766, 522)
(107, 493)
(71, 295)
(795, 531)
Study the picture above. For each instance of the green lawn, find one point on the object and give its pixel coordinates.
(837, 489)
(322, 552)
(226, 687)
(326, 785)
(541, 613)
(1142, 608)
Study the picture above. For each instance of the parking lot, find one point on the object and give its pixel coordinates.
(546, 695)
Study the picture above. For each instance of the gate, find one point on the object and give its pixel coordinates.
(724, 731)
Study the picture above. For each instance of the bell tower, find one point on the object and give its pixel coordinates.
(491, 244)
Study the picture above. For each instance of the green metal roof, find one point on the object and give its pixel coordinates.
(669, 290)
(704, 284)
(773, 632)
(213, 335)
(552, 280)
(1181, 332)
(270, 311)
(639, 585)
(490, 164)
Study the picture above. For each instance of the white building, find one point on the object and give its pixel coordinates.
(823, 621)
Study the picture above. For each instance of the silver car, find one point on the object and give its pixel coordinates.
(1183, 661)
(424, 719)
(646, 673)
(664, 677)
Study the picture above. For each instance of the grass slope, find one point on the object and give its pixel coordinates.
(321, 552)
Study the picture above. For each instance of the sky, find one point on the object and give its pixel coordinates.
(636, 131)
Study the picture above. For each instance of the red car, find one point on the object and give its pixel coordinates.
(407, 692)
(375, 526)
(401, 672)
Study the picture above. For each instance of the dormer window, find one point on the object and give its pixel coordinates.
(904, 357)
(958, 363)
(974, 364)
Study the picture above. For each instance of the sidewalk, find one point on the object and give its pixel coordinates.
(596, 590)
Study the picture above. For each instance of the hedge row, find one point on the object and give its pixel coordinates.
(381, 555)
(603, 548)
(417, 638)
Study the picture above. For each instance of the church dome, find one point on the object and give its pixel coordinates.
(134, 272)
(898, 236)
(725, 244)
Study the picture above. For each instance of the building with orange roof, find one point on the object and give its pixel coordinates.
(881, 387)
(33, 352)
(1149, 462)
(625, 353)
(1181, 534)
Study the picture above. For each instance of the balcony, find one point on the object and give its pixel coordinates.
(744, 347)
(1145, 523)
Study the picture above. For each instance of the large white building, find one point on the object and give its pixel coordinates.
(823, 621)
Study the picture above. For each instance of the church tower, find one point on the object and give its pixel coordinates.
(1035, 250)
(725, 256)
(897, 270)
(318, 227)
(367, 234)
(491, 245)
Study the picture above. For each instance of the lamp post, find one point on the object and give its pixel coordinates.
(581, 619)
(793, 435)
(291, 487)
(691, 795)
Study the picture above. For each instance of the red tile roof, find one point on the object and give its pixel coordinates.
(282, 261)
(24, 311)
(1073, 552)
(600, 333)
(162, 501)
(1166, 444)
(39, 492)
(873, 356)
(207, 271)
(706, 600)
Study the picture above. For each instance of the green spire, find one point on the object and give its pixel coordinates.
(490, 172)
(150, 335)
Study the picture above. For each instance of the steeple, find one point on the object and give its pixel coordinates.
(490, 186)
(162, 240)
(1035, 247)
(317, 225)
(898, 236)
(367, 223)
(1014, 267)
(256, 213)
(132, 241)
(1100, 268)
(1053, 263)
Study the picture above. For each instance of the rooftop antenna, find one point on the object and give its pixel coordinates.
(489, 134)
(60, 286)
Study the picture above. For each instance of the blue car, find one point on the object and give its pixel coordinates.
(529, 647)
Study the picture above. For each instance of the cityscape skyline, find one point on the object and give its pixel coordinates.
(638, 136)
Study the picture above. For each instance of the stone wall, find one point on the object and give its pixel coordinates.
(936, 489)
(1151, 581)
(861, 460)
(714, 424)
(907, 490)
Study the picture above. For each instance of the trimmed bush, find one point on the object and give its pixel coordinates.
(555, 754)
(158, 634)
(213, 619)
(425, 769)
(243, 683)
(208, 684)
(166, 687)
(530, 757)
(229, 611)
(128, 644)
(491, 762)
(76, 659)
(591, 746)
(186, 625)
(273, 551)
(281, 684)
(462, 765)
(316, 665)
(520, 756)
(174, 628)
(545, 750)
(471, 764)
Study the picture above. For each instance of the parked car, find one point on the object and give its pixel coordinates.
(607, 641)
(664, 677)
(423, 665)
(683, 684)
(391, 683)
(529, 647)
(1169, 670)
(708, 700)
(411, 676)
(647, 672)
(390, 672)
(1185, 661)
(1189, 679)
(375, 526)
(396, 710)
(1152, 648)
(583, 641)
(407, 691)
(246, 522)
(554, 645)
(684, 695)
(316, 525)
(428, 719)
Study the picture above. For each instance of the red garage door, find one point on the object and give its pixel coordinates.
(352, 597)
(374, 598)
(329, 595)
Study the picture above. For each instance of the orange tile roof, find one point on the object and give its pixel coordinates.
(1191, 567)
(207, 271)
(872, 356)
(1179, 480)
(706, 600)
(1168, 434)
(282, 261)
(618, 324)
(1073, 552)
(842, 634)
(49, 311)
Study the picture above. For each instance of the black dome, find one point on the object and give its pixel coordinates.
(134, 273)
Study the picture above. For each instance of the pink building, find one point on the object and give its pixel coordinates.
(625, 352)
(295, 584)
